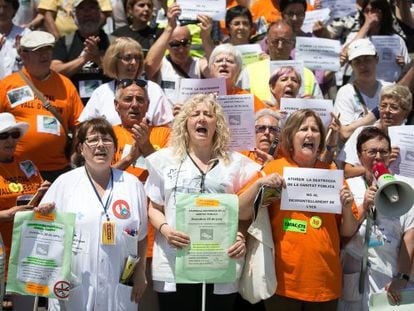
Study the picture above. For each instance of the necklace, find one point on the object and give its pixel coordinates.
(15, 186)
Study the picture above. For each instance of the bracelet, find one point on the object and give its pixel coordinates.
(160, 227)
(402, 276)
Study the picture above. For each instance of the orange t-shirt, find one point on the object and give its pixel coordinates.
(159, 137)
(13, 173)
(44, 142)
(258, 104)
(307, 264)
(269, 10)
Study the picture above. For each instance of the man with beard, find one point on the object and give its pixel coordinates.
(78, 55)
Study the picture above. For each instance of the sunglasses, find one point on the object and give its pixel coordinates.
(176, 44)
(272, 129)
(127, 82)
(14, 135)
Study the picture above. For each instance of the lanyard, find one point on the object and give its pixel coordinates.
(105, 207)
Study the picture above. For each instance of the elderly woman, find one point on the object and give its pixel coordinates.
(390, 253)
(103, 199)
(124, 60)
(18, 177)
(139, 14)
(315, 284)
(267, 137)
(197, 161)
(226, 62)
(284, 82)
(394, 108)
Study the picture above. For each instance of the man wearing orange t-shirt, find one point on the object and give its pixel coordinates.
(136, 140)
(269, 9)
(45, 140)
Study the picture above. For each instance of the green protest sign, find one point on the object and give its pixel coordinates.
(41, 254)
(211, 221)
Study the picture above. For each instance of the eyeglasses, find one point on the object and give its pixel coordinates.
(127, 82)
(283, 41)
(392, 107)
(297, 14)
(372, 153)
(272, 129)
(14, 135)
(93, 141)
(130, 58)
(176, 44)
(224, 60)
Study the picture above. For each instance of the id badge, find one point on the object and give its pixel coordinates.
(108, 233)
(376, 238)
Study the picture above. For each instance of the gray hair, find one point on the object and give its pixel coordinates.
(229, 49)
(400, 93)
(267, 112)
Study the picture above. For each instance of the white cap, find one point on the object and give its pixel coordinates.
(36, 40)
(77, 2)
(8, 123)
(361, 47)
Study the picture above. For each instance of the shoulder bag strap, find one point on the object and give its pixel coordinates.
(45, 101)
(178, 68)
(361, 99)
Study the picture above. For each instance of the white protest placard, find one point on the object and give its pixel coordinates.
(239, 112)
(312, 190)
(403, 137)
(318, 53)
(216, 9)
(250, 53)
(340, 8)
(323, 107)
(311, 17)
(388, 47)
(296, 64)
(185, 88)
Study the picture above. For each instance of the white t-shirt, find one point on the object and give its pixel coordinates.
(97, 268)
(168, 77)
(102, 103)
(347, 102)
(383, 258)
(167, 176)
(8, 52)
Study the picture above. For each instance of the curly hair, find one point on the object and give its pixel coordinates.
(180, 139)
(117, 47)
(292, 126)
(399, 93)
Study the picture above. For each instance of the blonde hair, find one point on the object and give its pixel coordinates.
(117, 47)
(180, 139)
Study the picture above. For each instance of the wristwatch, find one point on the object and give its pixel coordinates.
(402, 276)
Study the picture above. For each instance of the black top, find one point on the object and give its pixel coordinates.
(90, 76)
(146, 37)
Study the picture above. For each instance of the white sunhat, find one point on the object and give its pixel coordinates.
(361, 47)
(8, 123)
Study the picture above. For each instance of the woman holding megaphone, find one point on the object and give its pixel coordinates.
(380, 255)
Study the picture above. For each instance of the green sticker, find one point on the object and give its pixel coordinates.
(294, 225)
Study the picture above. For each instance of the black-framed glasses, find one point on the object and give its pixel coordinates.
(175, 44)
(14, 135)
(127, 82)
(272, 129)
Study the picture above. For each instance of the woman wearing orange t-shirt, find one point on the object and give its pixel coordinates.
(307, 264)
(17, 178)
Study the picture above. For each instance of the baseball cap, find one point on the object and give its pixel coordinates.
(36, 40)
(361, 47)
